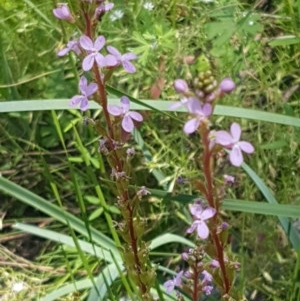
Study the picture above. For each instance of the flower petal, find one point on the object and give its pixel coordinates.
(125, 103)
(223, 138)
(136, 116)
(114, 110)
(236, 156)
(75, 100)
(83, 84)
(86, 43)
(88, 62)
(99, 43)
(84, 105)
(127, 124)
(208, 213)
(100, 60)
(91, 89)
(235, 131)
(207, 109)
(110, 60)
(129, 56)
(246, 147)
(112, 50)
(129, 67)
(191, 126)
(63, 51)
(192, 228)
(169, 285)
(202, 230)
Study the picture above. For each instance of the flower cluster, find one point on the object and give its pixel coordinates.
(91, 52)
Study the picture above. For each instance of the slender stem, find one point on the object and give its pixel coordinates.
(215, 203)
(195, 283)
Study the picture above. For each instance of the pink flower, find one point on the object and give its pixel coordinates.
(93, 56)
(63, 12)
(71, 46)
(86, 91)
(123, 59)
(171, 284)
(128, 116)
(200, 216)
(232, 141)
(200, 113)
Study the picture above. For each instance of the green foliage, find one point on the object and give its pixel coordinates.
(55, 157)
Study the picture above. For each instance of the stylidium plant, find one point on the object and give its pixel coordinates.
(208, 266)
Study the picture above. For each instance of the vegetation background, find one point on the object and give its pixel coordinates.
(52, 154)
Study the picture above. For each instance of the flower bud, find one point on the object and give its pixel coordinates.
(62, 12)
(227, 85)
(181, 86)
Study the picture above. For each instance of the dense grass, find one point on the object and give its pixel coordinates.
(54, 156)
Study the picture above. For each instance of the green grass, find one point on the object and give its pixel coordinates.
(46, 150)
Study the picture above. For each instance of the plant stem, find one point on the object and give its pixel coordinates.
(214, 203)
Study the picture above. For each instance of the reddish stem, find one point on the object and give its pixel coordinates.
(207, 156)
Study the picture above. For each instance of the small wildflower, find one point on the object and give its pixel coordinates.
(200, 216)
(228, 179)
(148, 5)
(143, 191)
(116, 15)
(200, 114)
(86, 91)
(93, 49)
(232, 141)
(128, 116)
(130, 152)
(207, 290)
(17, 287)
(214, 264)
(171, 284)
(103, 8)
(207, 277)
(123, 59)
(62, 12)
(71, 46)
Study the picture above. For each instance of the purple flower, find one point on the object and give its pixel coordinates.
(128, 116)
(207, 289)
(123, 59)
(214, 264)
(228, 179)
(143, 191)
(207, 277)
(200, 216)
(93, 49)
(227, 85)
(176, 281)
(71, 46)
(232, 141)
(103, 8)
(200, 113)
(86, 91)
(62, 12)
